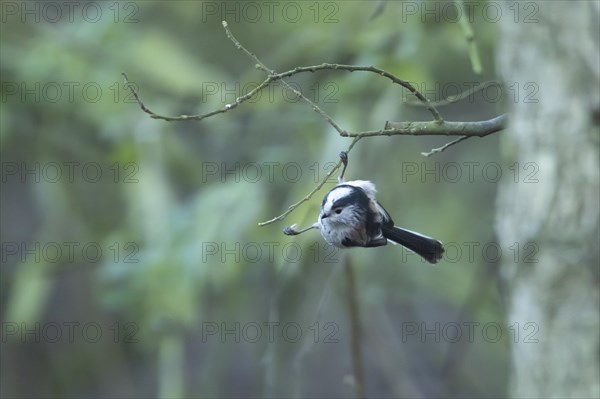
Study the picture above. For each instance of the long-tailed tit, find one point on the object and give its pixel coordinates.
(352, 217)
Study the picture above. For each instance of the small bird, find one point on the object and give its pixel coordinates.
(351, 217)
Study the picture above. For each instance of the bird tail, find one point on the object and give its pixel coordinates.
(428, 248)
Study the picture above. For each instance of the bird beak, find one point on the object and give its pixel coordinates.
(324, 215)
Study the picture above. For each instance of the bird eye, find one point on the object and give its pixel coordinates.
(338, 210)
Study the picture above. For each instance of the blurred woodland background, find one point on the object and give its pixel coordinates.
(132, 262)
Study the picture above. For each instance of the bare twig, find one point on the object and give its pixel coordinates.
(459, 97)
(274, 77)
(354, 68)
(442, 148)
(355, 330)
(250, 54)
(470, 37)
(431, 128)
(435, 127)
(309, 344)
(226, 108)
(315, 108)
(309, 195)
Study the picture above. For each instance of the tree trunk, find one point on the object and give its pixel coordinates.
(552, 213)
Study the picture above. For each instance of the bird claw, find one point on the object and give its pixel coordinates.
(344, 159)
(290, 230)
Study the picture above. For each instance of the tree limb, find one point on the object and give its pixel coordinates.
(278, 77)
(478, 128)
(438, 126)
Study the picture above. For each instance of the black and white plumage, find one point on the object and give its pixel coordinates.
(352, 217)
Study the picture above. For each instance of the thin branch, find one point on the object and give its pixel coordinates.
(355, 330)
(469, 37)
(273, 76)
(315, 108)
(250, 54)
(436, 127)
(226, 108)
(309, 344)
(431, 128)
(309, 195)
(442, 148)
(459, 97)
(354, 68)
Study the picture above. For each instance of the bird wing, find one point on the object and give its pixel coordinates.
(386, 218)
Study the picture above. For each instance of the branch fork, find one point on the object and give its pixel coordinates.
(438, 126)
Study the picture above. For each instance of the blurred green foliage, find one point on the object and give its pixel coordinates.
(159, 205)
